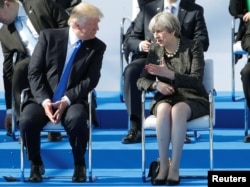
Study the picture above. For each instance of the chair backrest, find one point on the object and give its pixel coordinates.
(208, 78)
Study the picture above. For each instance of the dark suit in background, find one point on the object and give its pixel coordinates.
(191, 17)
(68, 5)
(43, 14)
(193, 26)
(238, 8)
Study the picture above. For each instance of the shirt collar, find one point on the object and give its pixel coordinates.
(21, 11)
(176, 4)
(72, 37)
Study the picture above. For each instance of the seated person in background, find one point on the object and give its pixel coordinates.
(238, 9)
(193, 26)
(174, 69)
(46, 68)
(245, 72)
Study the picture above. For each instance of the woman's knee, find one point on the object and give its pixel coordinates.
(164, 109)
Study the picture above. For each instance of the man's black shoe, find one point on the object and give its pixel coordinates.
(9, 132)
(247, 139)
(133, 136)
(54, 136)
(41, 169)
(35, 175)
(79, 174)
(187, 140)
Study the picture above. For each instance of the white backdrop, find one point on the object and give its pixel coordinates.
(219, 27)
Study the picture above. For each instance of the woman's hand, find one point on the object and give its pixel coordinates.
(160, 70)
(165, 88)
(246, 17)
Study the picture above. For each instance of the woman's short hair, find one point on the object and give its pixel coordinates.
(165, 21)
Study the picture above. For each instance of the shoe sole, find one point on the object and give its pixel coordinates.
(138, 141)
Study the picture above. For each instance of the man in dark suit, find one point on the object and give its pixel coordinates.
(68, 5)
(39, 15)
(239, 9)
(193, 26)
(50, 56)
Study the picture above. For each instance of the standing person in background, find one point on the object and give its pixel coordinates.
(48, 65)
(18, 42)
(193, 26)
(180, 95)
(239, 9)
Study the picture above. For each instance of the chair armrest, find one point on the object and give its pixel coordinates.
(212, 93)
(24, 93)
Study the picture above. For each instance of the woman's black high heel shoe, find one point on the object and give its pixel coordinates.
(171, 182)
(159, 182)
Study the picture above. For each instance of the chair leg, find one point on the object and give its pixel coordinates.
(90, 155)
(247, 136)
(91, 177)
(22, 160)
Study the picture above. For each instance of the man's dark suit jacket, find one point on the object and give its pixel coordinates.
(68, 5)
(47, 64)
(193, 25)
(237, 8)
(43, 14)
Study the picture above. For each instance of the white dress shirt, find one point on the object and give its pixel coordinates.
(26, 30)
(176, 6)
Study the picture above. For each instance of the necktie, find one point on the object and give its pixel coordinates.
(61, 87)
(170, 9)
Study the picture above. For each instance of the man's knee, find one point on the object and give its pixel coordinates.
(133, 69)
(245, 72)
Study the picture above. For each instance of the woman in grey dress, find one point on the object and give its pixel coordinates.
(174, 69)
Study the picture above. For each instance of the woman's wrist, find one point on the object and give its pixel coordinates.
(155, 85)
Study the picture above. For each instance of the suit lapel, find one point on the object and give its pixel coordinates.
(32, 15)
(82, 56)
(81, 61)
(182, 11)
(159, 6)
(61, 56)
(182, 14)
